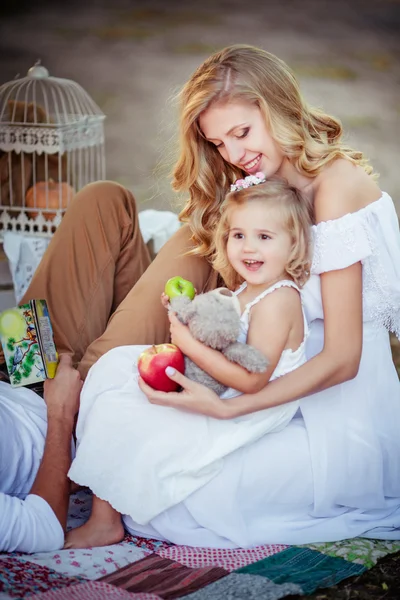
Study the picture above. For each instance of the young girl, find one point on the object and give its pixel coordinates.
(156, 457)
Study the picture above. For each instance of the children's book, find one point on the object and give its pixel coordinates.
(27, 338)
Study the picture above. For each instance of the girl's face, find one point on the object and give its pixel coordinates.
(258, 245)
(239, 133)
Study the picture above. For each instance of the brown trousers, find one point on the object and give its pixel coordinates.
(96, 276)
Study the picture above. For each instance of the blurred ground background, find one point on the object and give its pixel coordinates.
(133, 56)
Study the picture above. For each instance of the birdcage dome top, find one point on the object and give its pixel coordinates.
(40, 113)
(42, 99)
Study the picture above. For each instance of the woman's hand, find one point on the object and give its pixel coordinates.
(194, 397)
(180, 334)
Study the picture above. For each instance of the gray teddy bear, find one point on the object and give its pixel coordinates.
(213, 318)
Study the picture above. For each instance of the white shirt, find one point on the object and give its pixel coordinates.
(27, 522)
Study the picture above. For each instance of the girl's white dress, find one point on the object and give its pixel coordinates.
(334, 471)
(145, 459)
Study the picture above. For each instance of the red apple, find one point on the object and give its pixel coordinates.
(152, 364)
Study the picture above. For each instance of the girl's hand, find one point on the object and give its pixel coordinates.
(194, 397)
(180, 334)
(165, 300)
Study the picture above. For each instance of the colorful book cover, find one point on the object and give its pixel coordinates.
(27, 338)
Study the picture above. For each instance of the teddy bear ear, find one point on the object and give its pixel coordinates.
(223, 291)
(226, 294)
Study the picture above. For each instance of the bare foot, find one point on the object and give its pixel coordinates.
(95, 533)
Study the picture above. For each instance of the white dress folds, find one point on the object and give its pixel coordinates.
(334, 471)
(144, 458)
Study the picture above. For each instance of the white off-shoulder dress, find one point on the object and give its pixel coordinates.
(333, 472)
(145, 459)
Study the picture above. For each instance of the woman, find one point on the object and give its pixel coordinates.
(334, 472)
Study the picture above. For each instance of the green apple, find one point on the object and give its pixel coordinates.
(177, 286)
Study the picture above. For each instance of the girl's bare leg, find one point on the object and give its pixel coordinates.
(103, 528)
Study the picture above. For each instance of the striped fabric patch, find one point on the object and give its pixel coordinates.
(163, 576)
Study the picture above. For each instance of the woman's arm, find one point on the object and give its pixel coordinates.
(337, 362)
(269, 332)
(340, 357)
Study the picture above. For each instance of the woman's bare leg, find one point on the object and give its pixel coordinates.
(103, 528)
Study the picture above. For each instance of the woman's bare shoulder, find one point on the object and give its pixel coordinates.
(343, 188)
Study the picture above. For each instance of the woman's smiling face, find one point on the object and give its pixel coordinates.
(239, 132)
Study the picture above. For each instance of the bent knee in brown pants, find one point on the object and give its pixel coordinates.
(97, 278)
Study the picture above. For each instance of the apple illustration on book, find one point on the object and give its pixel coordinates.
(177, 286)
(154, 360)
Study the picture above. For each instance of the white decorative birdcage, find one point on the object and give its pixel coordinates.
(51, 145)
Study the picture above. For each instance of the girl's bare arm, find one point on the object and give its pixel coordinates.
(270, 325)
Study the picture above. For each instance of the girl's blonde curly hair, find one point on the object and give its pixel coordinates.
(309, 138)
(296, 218)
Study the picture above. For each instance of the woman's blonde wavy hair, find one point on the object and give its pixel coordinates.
(310, 138)
(296, 218)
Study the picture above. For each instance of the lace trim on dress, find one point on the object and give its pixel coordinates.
(361, 236)
(339, 244)
(381, 300)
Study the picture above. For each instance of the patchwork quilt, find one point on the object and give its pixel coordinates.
(144, 569)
